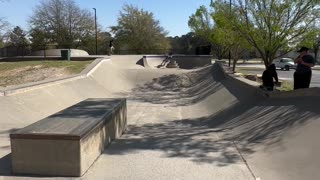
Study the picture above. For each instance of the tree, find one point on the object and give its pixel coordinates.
(40, 39)
(312, 40)
(18, 37)
(137, 30)
(273, 25)
(202, 24)
(63, 21)
(186, 44)
(88, 43)
(3, 31)
(225, 34)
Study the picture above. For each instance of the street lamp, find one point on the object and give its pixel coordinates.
(95, 25)
(229, 47)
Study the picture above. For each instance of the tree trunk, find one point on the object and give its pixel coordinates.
(234, 65)
(268, 59)
(316, 49)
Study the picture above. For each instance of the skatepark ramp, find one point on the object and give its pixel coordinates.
(184, 61)
(197, 123)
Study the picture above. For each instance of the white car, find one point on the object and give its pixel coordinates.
(284, 63)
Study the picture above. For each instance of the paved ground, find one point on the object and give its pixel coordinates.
(287, 75)
(183, 124)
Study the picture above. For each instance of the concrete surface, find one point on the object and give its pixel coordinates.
(183, 124)
(57, 52)
(183, 61)
(68, 142)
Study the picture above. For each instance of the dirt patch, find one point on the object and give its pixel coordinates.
(252, 77)
(28, 74)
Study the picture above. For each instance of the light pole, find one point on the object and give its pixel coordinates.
(95, 25)
(316, 47)
(229, 47)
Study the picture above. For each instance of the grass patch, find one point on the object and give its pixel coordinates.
(285, 86)
(242, 71)
(15, 73)
(73, 67)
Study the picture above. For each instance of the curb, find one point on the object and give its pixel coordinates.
(308, 92)
(45, 83)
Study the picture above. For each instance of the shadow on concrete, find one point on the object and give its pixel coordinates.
(5, 165)
(252, 121)
(9, 131)
(246, 125)
(177, 90)
(140, 62)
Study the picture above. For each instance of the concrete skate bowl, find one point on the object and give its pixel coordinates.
(184, 61)
(202, 118)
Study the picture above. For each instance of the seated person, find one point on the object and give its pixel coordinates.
(267, 78)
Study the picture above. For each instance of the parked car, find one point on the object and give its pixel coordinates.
(284, 63)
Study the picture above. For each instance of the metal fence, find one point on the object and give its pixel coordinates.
(11, 51)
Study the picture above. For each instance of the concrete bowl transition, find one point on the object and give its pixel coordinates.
(193, 122)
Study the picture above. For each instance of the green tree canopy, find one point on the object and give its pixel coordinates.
(39, 38)
(137, 30)
(225, 34)
(312, 39)
(269, 26)
(273, 25)
(18, 37)
(186, 44)
(88, 43)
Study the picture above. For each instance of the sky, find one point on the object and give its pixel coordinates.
(172, 14)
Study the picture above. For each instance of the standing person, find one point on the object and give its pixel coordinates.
(267, 78)
(302, 76)
(111, 48)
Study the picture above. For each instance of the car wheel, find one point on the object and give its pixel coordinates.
(287, 68)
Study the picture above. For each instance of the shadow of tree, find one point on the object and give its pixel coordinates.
(198, 139)
(251, 121)
(177, 139)
(177, 89)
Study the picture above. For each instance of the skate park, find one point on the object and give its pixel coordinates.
(182, 123)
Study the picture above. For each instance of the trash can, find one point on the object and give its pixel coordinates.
(65, 54)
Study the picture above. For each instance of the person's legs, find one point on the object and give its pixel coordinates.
(111, 50)
(302, 80)
(306, 80)
(297, 80)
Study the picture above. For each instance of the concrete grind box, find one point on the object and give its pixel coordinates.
(68, 142)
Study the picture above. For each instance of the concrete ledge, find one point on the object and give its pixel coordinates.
(48, 58)
(40, 84)
(57, 52)
(184, 61)
(67, 143)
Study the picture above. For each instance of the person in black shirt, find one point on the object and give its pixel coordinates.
(267, 78)
(302, 76)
